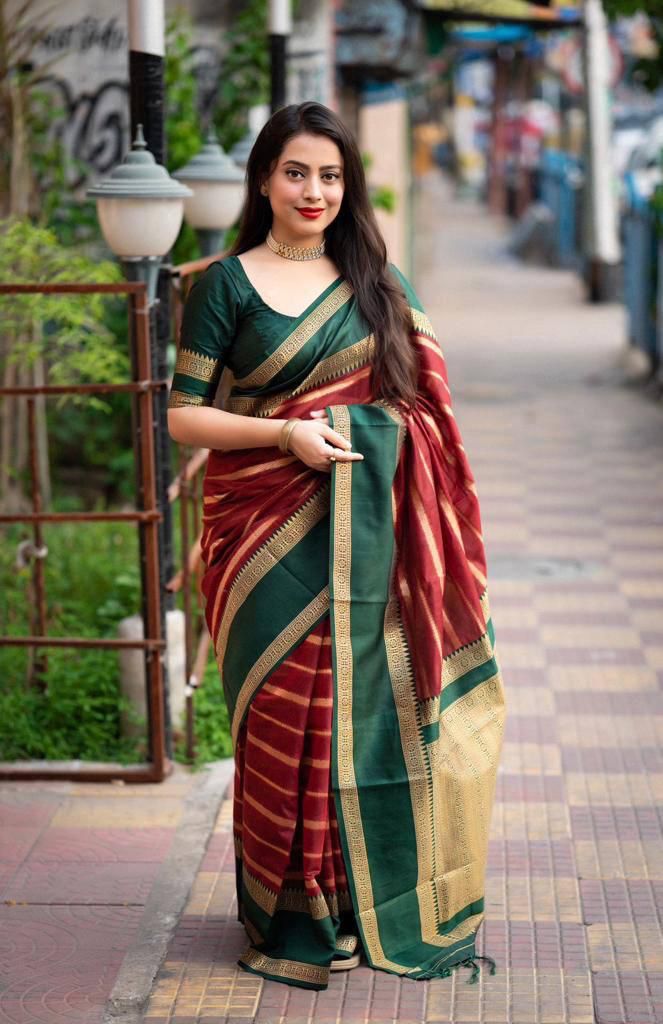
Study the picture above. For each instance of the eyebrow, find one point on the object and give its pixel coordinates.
(327, 167)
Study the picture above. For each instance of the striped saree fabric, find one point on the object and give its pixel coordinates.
(351, 623)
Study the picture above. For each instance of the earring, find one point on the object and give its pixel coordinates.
(264, 190)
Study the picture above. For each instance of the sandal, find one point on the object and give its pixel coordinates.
(345, 963)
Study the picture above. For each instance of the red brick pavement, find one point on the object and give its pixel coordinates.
(77, 864)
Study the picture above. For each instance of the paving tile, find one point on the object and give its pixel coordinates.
(61, 883)
(99, 846)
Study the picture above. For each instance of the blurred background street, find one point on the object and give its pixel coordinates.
(513, 151)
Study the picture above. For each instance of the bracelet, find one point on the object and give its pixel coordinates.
(286, 431)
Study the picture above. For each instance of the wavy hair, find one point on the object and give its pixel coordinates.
(353, 241)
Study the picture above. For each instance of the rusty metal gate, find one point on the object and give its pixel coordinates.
(186, 488)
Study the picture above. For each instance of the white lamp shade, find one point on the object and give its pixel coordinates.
(140, 227)
(214, 205)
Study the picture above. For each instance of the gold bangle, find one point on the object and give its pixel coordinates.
(286, 431)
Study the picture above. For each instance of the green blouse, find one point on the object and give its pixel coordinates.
(225, 323)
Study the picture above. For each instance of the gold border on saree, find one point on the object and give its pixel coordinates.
(294, 969)
(296, 340)
(276, 547)
(284, 642)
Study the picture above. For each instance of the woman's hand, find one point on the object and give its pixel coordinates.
(313, 441)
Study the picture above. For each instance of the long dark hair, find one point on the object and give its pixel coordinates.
(353, 241)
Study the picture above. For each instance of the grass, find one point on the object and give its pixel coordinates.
(70, 704)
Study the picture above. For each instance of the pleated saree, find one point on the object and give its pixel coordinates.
(352, 629)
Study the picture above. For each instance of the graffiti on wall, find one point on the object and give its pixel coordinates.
(92, 125)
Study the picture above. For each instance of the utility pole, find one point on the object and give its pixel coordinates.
(147, 47)
(280, 27)
(602, 250)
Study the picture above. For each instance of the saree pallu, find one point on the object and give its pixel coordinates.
(351, 625)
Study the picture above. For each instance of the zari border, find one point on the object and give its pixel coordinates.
(347, 783)
(277, 650)
(276, 547)
(418, 769)
(179, 399)
(294, 900)
(294, 969)
(421, 323)
(348, 359)
(346, 943)
(465, 659)
(341, 363)
(297, 339)
(196, 365)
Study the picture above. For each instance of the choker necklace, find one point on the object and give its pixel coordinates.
(295, 252)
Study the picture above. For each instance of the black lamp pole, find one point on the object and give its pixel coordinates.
(147, 106)
(280, 27)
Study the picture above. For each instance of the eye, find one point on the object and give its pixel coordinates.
(330, 174)
(293, 170)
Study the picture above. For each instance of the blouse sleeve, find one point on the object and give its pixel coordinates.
(209, 322)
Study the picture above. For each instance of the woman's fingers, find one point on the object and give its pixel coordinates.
(337, 440)
(345, 456)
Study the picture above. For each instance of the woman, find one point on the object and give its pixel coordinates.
(345, 579)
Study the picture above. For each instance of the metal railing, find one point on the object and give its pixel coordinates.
(147, 517)
(186, 489)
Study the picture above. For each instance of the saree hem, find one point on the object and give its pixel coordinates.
(289, 972)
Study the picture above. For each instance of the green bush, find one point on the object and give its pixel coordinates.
(92, 582)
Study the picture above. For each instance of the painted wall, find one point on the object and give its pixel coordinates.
(384, 134)
(88, 76)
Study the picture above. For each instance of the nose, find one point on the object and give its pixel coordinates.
(312, 190)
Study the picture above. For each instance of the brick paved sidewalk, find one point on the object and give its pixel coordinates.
(568, 465)
(92, 878)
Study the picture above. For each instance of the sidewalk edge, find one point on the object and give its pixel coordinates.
(168, 897)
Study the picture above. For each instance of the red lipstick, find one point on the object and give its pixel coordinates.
(311, 212)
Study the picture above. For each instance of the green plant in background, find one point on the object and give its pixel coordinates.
(183, 128)
(92, 581)
(382, 197)
(244, 72)
(62, 337)
(212, 724)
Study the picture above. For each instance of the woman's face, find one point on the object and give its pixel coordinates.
(308, 176)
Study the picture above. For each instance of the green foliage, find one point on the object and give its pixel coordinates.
(182, 121)
(71, 218)
(92, 581)
(183, 129)
(211, 722)
(382, 197)
(244, 72)
(66, 329)
(615, 8)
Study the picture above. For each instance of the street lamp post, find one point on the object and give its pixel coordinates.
(280, 27)
(217, 191)
(140, 209)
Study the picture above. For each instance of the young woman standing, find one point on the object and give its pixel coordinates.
(345, 579)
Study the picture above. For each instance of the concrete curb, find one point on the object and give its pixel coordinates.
(168, 896)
